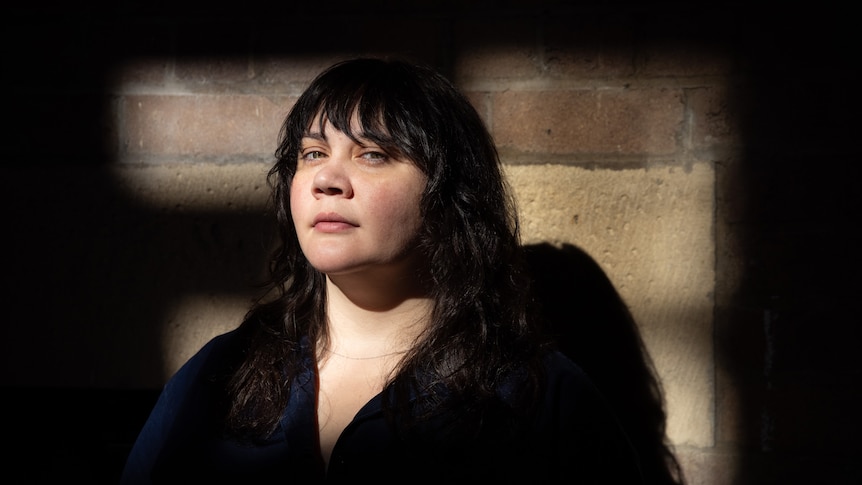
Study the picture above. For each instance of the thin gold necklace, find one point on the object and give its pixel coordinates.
(365, 358)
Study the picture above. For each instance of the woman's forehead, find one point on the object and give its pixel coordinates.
(322, 123)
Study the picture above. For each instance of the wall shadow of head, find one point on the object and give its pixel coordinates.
(591, 324)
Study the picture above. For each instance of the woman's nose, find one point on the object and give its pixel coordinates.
(332, 179)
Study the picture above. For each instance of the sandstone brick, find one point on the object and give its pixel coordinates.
(480, 101)
(215, 128)
(715, 119)
(621, 122)
(709, 467)
(166, 188)
(212, 73)
(151, 73)
(651, 232)
(193, 321)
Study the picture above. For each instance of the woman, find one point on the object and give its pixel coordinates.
(396, 343)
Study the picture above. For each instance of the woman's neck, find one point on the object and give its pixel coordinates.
(374, 316)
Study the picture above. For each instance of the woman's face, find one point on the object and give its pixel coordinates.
(354, 208)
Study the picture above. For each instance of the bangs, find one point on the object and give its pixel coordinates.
(357, 118)
(367, 102)
(359, 115)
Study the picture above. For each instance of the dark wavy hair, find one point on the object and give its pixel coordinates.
(479, 329)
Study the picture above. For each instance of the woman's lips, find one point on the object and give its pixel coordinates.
(332, 222)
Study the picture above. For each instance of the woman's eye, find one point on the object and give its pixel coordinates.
(313, 155)
(375, 157)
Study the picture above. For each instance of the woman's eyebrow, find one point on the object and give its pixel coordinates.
(315, 135)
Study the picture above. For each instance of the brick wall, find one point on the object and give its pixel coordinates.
(144, 134)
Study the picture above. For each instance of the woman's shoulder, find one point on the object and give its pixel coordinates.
(215, 359)
(218, 348)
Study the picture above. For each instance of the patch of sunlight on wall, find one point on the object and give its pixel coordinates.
(193, 321)
(237, 190)
(651, 230)
(195, 186)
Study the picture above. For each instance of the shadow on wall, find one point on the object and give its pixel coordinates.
(93, 277)
(787, 317)
(593, 326)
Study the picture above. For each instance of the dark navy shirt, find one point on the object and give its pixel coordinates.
(571, 437)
